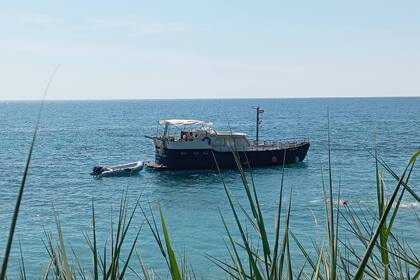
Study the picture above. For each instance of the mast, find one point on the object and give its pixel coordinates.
(259, 111)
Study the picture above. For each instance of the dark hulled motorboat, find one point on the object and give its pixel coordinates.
(196, 145)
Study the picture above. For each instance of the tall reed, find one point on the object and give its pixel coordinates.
(331, 262)
(22, 183)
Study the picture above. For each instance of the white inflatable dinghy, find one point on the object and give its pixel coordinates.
(128, 169)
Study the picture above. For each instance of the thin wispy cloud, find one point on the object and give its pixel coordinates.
(130, 26)
(37, 19)
(18, 19)
(138, 27)
(44, 34)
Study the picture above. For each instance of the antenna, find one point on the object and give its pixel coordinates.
(259, 111)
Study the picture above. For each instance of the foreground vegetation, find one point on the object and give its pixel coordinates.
(250, 255)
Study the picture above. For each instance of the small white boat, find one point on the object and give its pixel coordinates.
(128, 169)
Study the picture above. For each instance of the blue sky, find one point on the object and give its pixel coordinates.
(209, 49)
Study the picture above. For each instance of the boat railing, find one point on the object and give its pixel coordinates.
(280, 142)
(284, 143)
(266, 145)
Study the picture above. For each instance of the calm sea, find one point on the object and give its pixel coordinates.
(75, 136)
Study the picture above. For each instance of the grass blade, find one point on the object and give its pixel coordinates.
(22, 185)
(363, 263)
(175, 272)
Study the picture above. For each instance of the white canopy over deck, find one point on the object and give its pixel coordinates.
(178, 122)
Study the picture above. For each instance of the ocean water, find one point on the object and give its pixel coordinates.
(75, 136)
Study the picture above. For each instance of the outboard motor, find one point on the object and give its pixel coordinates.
(97, 170)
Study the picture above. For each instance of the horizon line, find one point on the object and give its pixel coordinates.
(209, 98)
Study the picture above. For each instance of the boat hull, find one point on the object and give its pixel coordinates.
(179, 159)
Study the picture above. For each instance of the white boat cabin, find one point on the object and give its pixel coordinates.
(195, 134)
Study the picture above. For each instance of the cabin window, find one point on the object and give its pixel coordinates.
(196, 153)
(183, 153)
(240, 142)
(230, 142)
(205, 153)
(218, 141)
